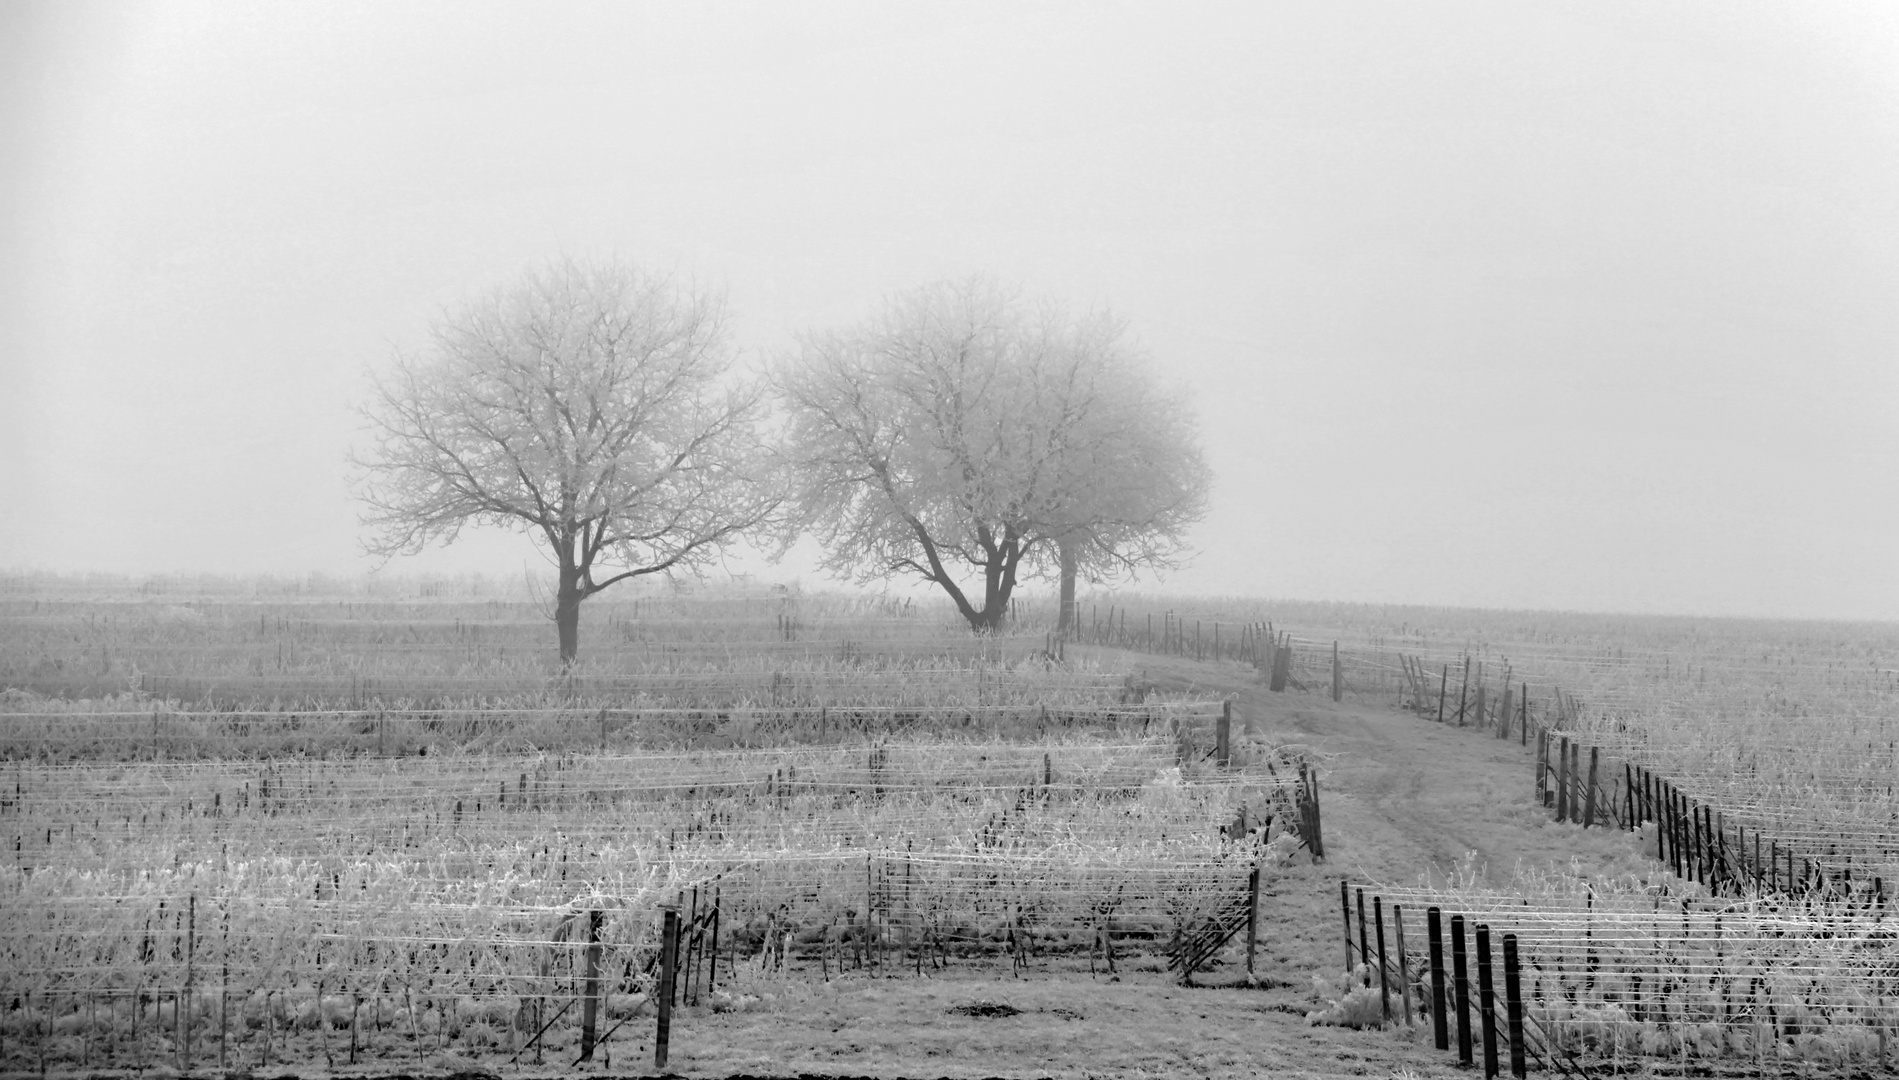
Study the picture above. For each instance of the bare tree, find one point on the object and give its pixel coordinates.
(1133, 480)
(964, 430)
(593, 406)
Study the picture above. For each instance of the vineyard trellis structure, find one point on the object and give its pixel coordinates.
(1611, 976)
(424, 901)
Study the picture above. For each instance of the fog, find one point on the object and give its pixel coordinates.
(1589, 306)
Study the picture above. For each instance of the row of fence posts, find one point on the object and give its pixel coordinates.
(1450, 991)
(1692, 838)
(1511, 710)
(1209, 640)
(1306, 801)
(1191, 950)
(1256, 643)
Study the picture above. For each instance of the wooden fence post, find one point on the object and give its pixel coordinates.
(1252, 915)
(1434, 937)
(1462, 689)
(1487, 1000)
(668, 961)
(1345, 907)
(1562, 780)
(712, 969)
(1589, 795)
(690, 931)
(1676, 835)
(1513, 1006)
(1443, 683)
(1542, 767)
(1223, 733)
(1384, 979)
(1364, 949)
(1404, 964)
(590, 1005)
(1628, 792)
(1338, 674)
(1314, 835)
(1460, 985)
(1575, 778)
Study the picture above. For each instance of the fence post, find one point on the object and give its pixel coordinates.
(1589, 795)
(1384, 981)
(1542, 767)
(1404, 964)
(1632, 823)
(590, 1005)
(690, 931)
(1315, 836)
(1562, 780)
(1252, 915)
(1338, 674)
(712, 969)
(1434, 935)
(1364, 949)
(1223, 734)
(1575, 778)
(1658, 813)
(668, 961)
(1443, 683)
(184, 1004)
(1673, 827)
(1463, 688)
(1513, 1006)
(1460, 986)
(1345, 906)
(1487, 1000)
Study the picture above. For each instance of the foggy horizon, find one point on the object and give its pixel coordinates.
(1578, 307)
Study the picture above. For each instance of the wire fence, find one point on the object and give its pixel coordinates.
(163, 912)
(1613, 976)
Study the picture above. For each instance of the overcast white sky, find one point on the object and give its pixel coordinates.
(1584, 305)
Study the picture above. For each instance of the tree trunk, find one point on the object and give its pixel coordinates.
(998, 585)
(567, 615)
(1070, 560)
(989, 619)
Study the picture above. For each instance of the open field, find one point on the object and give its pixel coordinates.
(922, 859)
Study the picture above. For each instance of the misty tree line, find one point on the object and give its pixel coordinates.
(962, 434)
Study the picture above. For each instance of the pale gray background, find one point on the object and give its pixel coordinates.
(1585, 305)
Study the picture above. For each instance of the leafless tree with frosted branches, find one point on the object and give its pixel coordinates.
(595, 407)
(962, 429)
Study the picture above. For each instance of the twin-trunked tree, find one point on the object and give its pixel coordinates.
(963, 429)
(960, 430)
